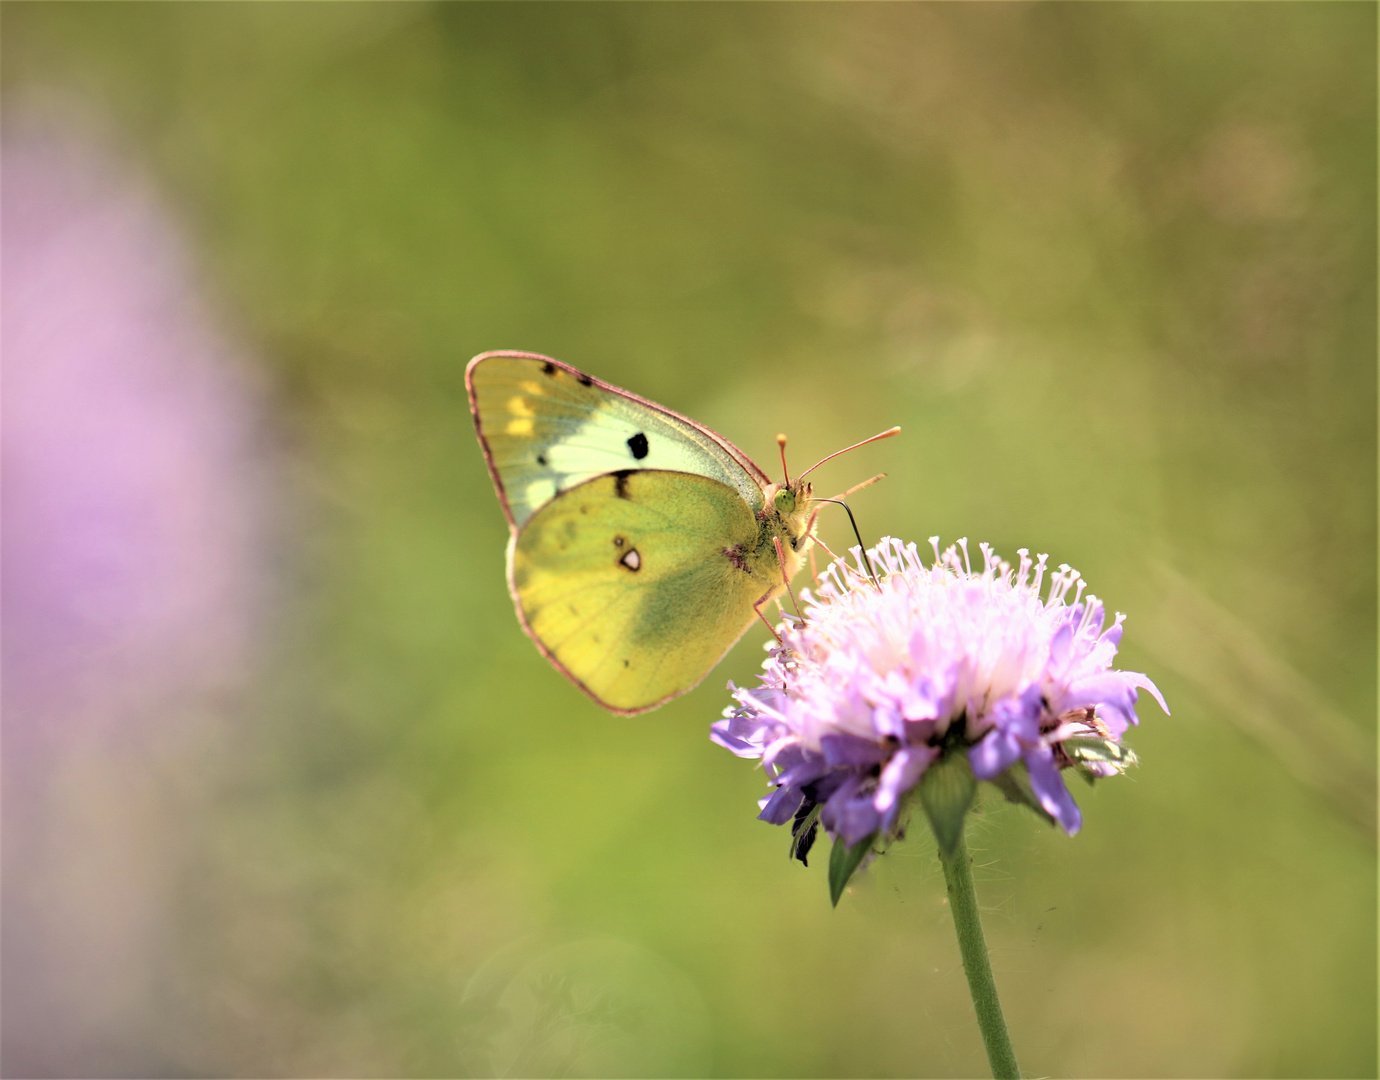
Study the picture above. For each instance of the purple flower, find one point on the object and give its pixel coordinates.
(883, 680)
(137, 505)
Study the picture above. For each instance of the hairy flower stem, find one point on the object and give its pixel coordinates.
(963, 901)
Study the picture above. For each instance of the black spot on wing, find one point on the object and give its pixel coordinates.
(549, 368)
(584, 380)
(638, 445)
(541, 459)
(620, 483)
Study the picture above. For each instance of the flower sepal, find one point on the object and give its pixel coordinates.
(844, 862)
(1014, 784)
(946, 791)
(804, 829)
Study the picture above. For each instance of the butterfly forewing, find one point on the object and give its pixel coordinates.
(629, 584)
(547, 427)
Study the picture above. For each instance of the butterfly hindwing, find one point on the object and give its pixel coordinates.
(634, 582)
(547, 427)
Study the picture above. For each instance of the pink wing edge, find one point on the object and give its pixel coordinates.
(737, 455)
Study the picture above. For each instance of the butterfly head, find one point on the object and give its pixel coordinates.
(790, 498)
(792, 501)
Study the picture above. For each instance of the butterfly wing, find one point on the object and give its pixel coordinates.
(546, 427)
(633, 583)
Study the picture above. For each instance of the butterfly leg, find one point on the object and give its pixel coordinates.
(827, 549)
(810, 532)
(847, 569)
(757, 607)
(785, 577)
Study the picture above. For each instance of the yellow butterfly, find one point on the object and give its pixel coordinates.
(643, 544)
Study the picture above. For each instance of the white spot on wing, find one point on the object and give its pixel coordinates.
(600, 445)
(632, 560)
(539, 492)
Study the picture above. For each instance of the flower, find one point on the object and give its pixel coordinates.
(138, 554)
(135, 516)
(884, 679)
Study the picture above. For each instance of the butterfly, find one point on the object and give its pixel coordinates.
(643, 544)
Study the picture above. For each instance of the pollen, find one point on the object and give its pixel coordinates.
(519, 426)
(517, 405)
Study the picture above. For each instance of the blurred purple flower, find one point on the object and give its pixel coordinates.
(880, 681)
(133, 575)
(130, 515)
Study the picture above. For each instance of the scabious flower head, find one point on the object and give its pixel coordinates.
(885, 680)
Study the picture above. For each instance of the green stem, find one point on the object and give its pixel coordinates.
(963, 901)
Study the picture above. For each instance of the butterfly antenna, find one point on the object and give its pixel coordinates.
(888, 433)
(866, 559)
(781, 442)
(859, 487)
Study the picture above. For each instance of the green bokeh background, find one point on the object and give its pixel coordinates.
(1113, 269)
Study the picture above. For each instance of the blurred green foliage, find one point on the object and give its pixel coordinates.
(1113, 269)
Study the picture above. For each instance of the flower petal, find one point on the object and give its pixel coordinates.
(851, 750)
(996, 753)
(849, 814)
(1060, 647)
(1050, 790)
(780, 806)
(723, 733)
(901, 774)
(803, 772)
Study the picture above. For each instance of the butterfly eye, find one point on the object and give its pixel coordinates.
(784, 501)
